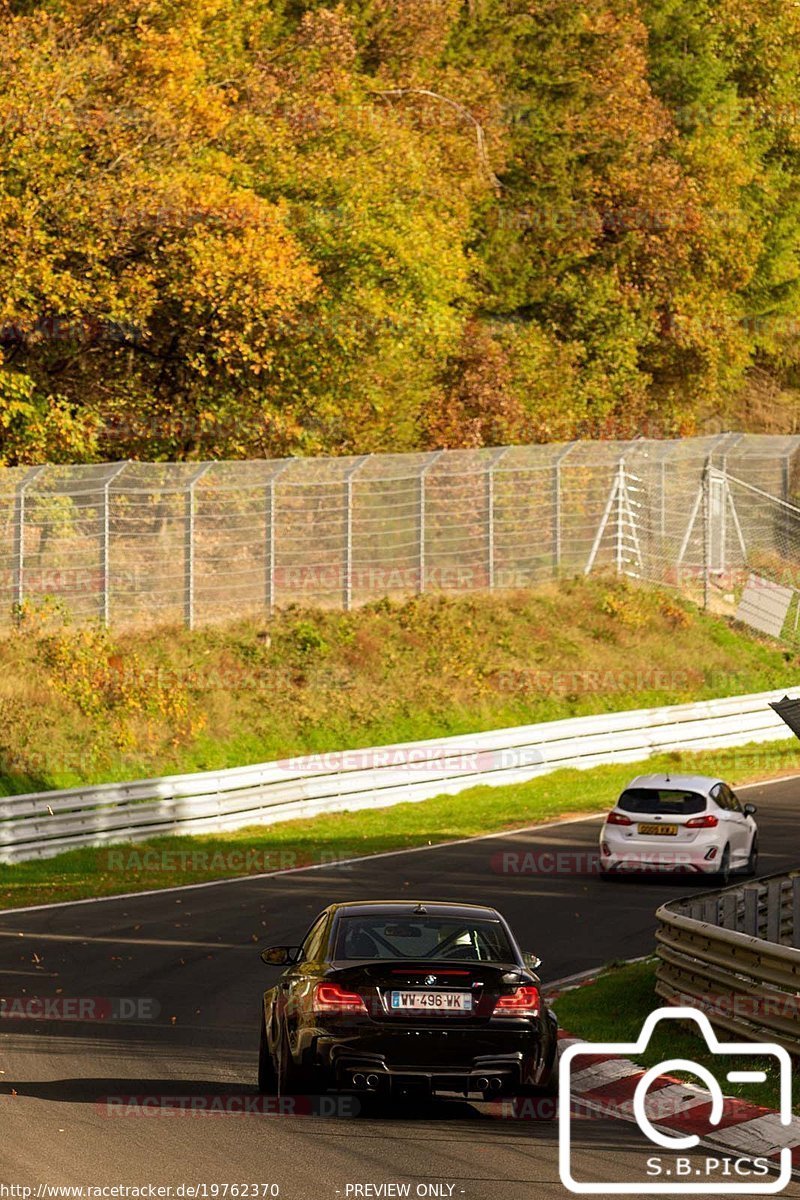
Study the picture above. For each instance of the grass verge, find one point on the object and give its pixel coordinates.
(613, 1009)
(171, 861)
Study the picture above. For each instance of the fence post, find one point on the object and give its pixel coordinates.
(556, 506)
(495, 459)
(701, 500)
(615, 495)
(188, 545)
(105, 548)
(421, 521)
(270, 521)
(18, 570)
(706, 532)
(732, 441)
(618, 552)
(269, 516)
(347, 580)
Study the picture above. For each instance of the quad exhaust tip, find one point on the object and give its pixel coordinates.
(360, 1080)
(484, 1083)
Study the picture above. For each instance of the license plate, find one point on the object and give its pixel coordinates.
(659, 830)
(431, 1001)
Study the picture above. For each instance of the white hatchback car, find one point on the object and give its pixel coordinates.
(689, 823)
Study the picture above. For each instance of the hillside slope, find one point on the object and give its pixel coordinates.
(83, 705)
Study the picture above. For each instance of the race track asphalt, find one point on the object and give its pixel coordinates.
(188, 961)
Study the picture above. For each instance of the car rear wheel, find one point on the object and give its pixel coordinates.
(724, 872)
(551, 1087)
(267, 1076)
(752, 859)
(537, 1103)
(292, 1080)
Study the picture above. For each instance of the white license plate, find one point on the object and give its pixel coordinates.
(431, 1001)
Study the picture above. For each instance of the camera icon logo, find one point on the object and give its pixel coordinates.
(661, 1137)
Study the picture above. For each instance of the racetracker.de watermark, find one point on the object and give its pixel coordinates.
(428, 757)
(581, 862)
(79, 1008)
(742, 1005)
(222, 1104)
(197, 862)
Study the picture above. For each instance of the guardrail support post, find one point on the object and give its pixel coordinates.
(730, 904)
(774, 894)
(796, 912)
(711, 910)
(751, 910)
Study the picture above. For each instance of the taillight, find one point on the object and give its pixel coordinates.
(706, 822)
(329, 997)
(523, 1002)
(615, 818)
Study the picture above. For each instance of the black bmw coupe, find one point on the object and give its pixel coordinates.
(388, 997)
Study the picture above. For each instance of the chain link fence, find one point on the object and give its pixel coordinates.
(135, 543)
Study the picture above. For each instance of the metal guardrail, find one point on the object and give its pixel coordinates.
(42, 824)
(735, 954)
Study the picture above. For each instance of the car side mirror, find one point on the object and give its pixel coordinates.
(280, 956)
(532, 961)
(749, 809)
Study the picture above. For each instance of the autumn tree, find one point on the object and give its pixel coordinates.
(231, 230)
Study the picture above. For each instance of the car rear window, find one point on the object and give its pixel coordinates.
(674, 801)
(449, 938)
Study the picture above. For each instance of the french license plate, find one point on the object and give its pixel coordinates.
(659, 830)
(431, 1001)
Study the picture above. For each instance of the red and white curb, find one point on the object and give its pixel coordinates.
(606, 1085)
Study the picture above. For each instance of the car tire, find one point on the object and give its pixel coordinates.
(752, 859)
(550, 1088)
(292, 1081)
(537, 1102)
(267, 1075)
(724, 872)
